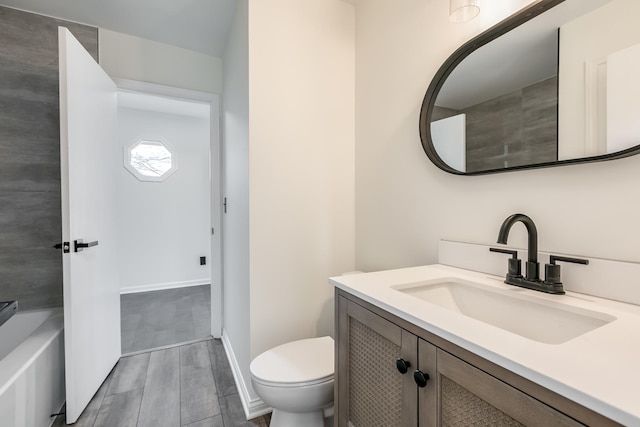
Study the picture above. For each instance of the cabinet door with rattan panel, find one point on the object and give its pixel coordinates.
(468, 396)
(370, 390)
(427, 392)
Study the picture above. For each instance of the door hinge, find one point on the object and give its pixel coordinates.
(64, 246)
(225, 205)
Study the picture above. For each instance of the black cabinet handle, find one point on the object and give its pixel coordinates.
(79, 245)
(420, 378)
(402, 365)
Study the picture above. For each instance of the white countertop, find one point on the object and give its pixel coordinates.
(599, 370)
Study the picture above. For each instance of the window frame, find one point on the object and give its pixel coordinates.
(135, 172)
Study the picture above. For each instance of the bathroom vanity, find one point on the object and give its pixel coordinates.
(438, 345)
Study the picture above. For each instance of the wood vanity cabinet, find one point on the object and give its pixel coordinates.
(463, 389)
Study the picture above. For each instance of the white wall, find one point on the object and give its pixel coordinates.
(235, 253)
(589, 39)
(623, 99)
(133, 58)
(300, 170)
(404, 204)
(164, 226)
(301, 164)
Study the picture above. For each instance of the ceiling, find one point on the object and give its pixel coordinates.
(198, 25)
(163, 104)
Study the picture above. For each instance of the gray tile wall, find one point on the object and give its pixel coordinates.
(30, 223)
(515, 129)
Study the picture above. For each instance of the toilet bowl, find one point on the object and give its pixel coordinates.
(296, 380)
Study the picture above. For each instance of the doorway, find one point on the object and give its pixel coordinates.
(168, 222)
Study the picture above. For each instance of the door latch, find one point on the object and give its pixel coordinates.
(64, 246)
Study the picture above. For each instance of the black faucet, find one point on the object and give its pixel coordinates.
(531, 280)
(532, 268)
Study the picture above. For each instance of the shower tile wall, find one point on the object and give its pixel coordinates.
(30, 222)
(518, 128)
(525, 121)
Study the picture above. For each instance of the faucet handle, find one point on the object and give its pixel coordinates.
(554, 258)
(513, 253)
(515, 266)
(552, 270)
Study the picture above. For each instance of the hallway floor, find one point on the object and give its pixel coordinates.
(166, 317)
(188, 385)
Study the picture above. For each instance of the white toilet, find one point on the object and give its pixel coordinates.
(296, 380)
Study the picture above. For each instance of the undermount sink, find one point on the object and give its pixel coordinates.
(525, 315)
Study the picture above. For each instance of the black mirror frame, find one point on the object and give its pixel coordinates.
(460, 54)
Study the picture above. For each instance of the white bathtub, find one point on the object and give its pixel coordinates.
(31, 368)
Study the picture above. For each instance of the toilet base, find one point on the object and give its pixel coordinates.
(281, 418)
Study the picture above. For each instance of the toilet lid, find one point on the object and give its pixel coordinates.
(300, 361)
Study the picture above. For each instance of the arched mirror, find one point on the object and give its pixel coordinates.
(557, 83)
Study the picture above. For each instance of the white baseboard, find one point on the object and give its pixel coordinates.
(161, 286)
(252, 407)
(60, 411)
(165, 347)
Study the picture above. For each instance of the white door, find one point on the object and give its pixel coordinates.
(88, 153)
(623, 102)
(449, 138)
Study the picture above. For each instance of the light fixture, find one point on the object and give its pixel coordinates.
(463, 10)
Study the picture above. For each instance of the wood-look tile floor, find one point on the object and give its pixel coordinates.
(160, 318)
(189, 385)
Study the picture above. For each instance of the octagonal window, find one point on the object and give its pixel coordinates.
(150, 160)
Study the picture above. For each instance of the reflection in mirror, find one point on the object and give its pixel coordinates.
(562, 86)
(505, 97)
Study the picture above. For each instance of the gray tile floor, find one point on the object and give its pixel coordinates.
(159, 318)
(189, 385)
